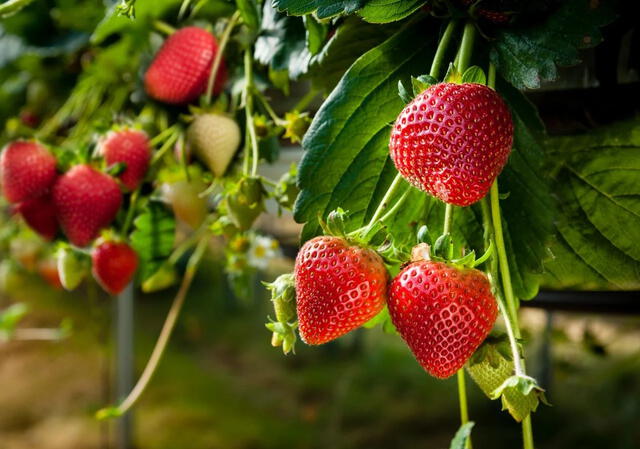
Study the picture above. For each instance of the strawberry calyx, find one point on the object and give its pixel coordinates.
(73, 265)
(284, 327)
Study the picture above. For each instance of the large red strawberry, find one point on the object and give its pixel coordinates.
(180, 70)
(40, 214)
(114, 264)
(27, 169)
(443, 313)
(452, 141)
(131, 147)
(339, 287)
(86, 201)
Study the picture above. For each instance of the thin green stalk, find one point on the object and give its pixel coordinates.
(466, 46)
(161, 136)
(462, 396)
(396, 206)
(163, 339)
(491, 76)
(248, 108)
(385, 200)
(306, 100)
(265, 103)
(224, 39)
(442, 49)
(163, 27)
(168, 144)
(448, 218)
(132, 208)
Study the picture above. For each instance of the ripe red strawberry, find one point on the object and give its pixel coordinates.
(86, 201)
(180, 70)
(452, 141)
(130, 147)
(40, 214)
(27, 169)
(442, 312)
(114, 264)
(339, 287)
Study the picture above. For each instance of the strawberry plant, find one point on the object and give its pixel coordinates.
(432, 202)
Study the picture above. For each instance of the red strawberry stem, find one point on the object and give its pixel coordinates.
(163, 339)
(224, 39)
(252, 139)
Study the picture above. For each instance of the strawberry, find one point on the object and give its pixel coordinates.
(27, 170)
(86, 201)
(114, 264)
(185, 200)
(338, 286)
(214, 139)
(131, 147)
(442, 312)
(180, 70)
(40, 214)
(452, 141)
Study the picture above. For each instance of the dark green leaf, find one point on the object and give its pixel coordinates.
(316, 34)
(250, 13)
(153, 238)
(384, 11)
(462, 436)
(347, 163)
(322, 8)
(598, 189)
(282, 43)
(527, 56)
(351, 40)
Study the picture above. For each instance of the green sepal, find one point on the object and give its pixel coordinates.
(403, 93)
(461, 437)
(474, 74)
(443, 248)
(453, 75)
(424, 236)
(422, 83)
(245, 202)
(163, 278)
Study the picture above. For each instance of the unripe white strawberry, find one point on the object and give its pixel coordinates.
(214, 139)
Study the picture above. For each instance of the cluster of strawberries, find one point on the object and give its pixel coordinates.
(82, 201)
(451, 141)
(85, 200)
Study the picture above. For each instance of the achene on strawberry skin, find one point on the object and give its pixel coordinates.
(339, 287)
(443, 313)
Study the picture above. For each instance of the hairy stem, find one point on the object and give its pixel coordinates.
(442, 49)
(224, 39)
(384, 204)
(163, 339)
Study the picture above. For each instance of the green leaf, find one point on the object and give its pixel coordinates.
(250, 13)
(153, 238)
(474, 74)
(282, 43)
(598, 187)
(146, 12)
(351, 40)
(461, 437)
(403, 93)
(316, 34)
(527, 56)
(9, 319)
(323, 9)
(347, 162)
(385, 11)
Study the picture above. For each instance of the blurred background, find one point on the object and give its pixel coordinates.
(222, 385)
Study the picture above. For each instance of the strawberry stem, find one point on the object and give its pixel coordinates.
(11, 7)
(442, 49)
(462, 396)
(163, 339)
(466, 46)
(163, 27)
(224, 39)
(448, 218)
(248, 108)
